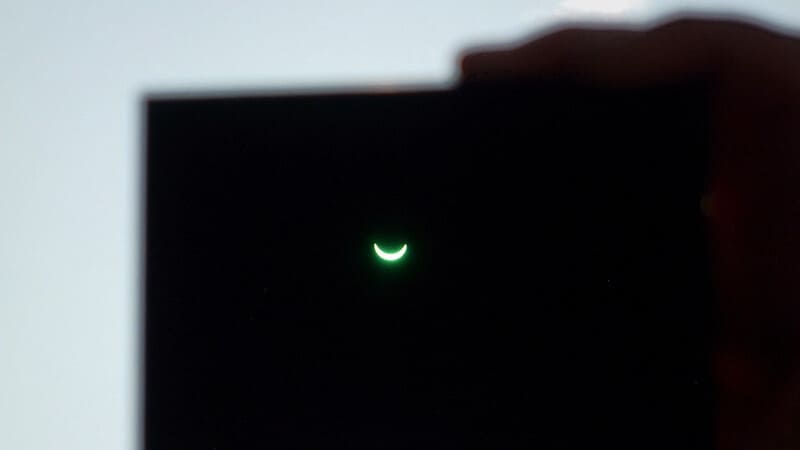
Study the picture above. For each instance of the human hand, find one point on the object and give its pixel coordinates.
(753, 203)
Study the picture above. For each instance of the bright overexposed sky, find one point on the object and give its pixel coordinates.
(73, 75)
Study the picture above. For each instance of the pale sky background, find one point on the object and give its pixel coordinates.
(72, 74)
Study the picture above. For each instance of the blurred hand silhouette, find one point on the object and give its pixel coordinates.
(753, 201)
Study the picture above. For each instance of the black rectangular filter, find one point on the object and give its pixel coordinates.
(551, 289)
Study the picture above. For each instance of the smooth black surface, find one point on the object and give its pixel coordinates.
(555, 293)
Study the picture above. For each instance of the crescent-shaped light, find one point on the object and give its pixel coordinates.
(390, 256)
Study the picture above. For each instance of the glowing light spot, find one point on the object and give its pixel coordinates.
(390, 256)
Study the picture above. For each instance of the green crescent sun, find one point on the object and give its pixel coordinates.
(390, 256)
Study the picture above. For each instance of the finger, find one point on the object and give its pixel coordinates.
(680, 49)
(559, 53)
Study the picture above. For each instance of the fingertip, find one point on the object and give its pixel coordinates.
(476, 62)
(467, 61)
(530, 58)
